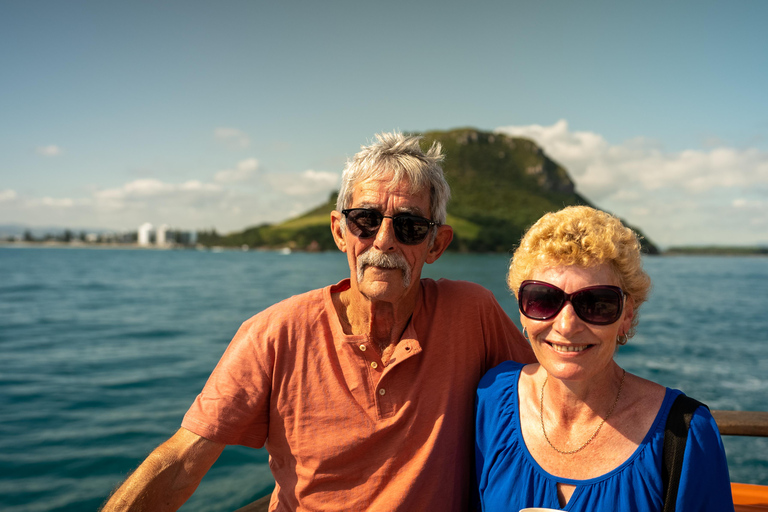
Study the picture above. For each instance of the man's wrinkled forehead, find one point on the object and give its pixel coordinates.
(365, 189)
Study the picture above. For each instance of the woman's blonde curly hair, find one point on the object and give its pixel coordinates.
(585, 237)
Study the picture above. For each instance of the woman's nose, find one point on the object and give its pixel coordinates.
(567, 320)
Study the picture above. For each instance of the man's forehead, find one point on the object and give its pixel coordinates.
(375, 192)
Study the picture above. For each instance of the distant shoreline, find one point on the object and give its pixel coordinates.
(672, 251)
(714, 250)
(84, 245)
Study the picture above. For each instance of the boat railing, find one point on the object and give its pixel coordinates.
(746, 497)
(742, 423)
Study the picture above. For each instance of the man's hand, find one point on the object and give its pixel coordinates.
(168, 476)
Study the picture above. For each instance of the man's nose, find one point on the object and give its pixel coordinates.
(385, 238)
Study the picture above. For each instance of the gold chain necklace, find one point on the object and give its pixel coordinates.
(594, 434)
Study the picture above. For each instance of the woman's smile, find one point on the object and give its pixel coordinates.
(568, 348)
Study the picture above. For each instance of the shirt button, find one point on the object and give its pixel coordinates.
(382, 391)
(374, 365)
(362, 348)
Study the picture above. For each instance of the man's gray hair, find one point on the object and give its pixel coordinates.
(400, 156)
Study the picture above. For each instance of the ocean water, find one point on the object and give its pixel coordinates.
(102, 352)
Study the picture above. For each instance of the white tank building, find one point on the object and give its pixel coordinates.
(161, 236)
(145, 234)
(164, 236)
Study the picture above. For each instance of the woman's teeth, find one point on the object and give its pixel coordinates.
(569, 348)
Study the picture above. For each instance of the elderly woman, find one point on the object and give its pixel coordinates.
(576, 431)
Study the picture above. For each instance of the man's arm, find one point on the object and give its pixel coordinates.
(168, 476)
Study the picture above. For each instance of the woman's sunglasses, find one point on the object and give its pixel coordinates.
(409, 229)
(599, 305)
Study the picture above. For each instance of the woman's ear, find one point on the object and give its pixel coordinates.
(627, 316)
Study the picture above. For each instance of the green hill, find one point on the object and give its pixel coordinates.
(500, 186)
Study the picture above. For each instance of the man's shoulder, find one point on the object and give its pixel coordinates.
(457, 290)
(292, 306)
(304, 298)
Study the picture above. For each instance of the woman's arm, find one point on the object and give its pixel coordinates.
(168, 476)
(704, 483)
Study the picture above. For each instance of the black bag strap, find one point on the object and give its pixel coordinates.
(675, 437)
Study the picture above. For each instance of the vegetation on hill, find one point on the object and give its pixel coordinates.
(500, 186)
(717, 250)
(310, 231)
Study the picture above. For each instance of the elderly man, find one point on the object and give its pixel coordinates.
(362, 391)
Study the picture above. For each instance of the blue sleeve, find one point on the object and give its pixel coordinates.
(494, 395)
(486, 416)
(704, 483)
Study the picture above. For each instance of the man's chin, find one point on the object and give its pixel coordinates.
(387, 277)
(383, 291)
(383, 284)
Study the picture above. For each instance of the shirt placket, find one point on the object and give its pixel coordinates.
(386, 390)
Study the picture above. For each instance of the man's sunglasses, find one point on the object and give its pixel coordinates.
(598, 305)
(409, 229)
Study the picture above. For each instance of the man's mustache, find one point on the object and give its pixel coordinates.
(374, 258)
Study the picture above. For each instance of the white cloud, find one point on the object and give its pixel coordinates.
(145, 188)
(755, 205)
(232, 199)
(199, 186)
(601, 169)
(232, 138)
(244, 171)
(691, 196)
(740, 203)
(58, 202)
(309, 182)
(51, 150)
(7, 195)
(151, 192)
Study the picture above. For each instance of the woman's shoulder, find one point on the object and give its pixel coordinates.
(701, 419)
(496, 407)
(701, 414)
(648, 408)
(501, 375)
(644, 394)
(499, 387)
(641, 408)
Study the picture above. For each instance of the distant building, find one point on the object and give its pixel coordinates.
(162, 235)
(145, 234)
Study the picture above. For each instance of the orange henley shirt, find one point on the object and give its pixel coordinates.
(345, 432)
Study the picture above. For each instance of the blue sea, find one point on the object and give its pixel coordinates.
(102, 351)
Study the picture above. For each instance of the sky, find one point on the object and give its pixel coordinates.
(230, 114)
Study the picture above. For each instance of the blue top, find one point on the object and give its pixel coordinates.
(509, 478)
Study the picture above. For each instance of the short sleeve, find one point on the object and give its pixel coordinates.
(233, 407)
(704, 483)
(485, 418)
(494, 411)
(503, 339)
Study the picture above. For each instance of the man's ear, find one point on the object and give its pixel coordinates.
(441, 243)
(338, 233)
